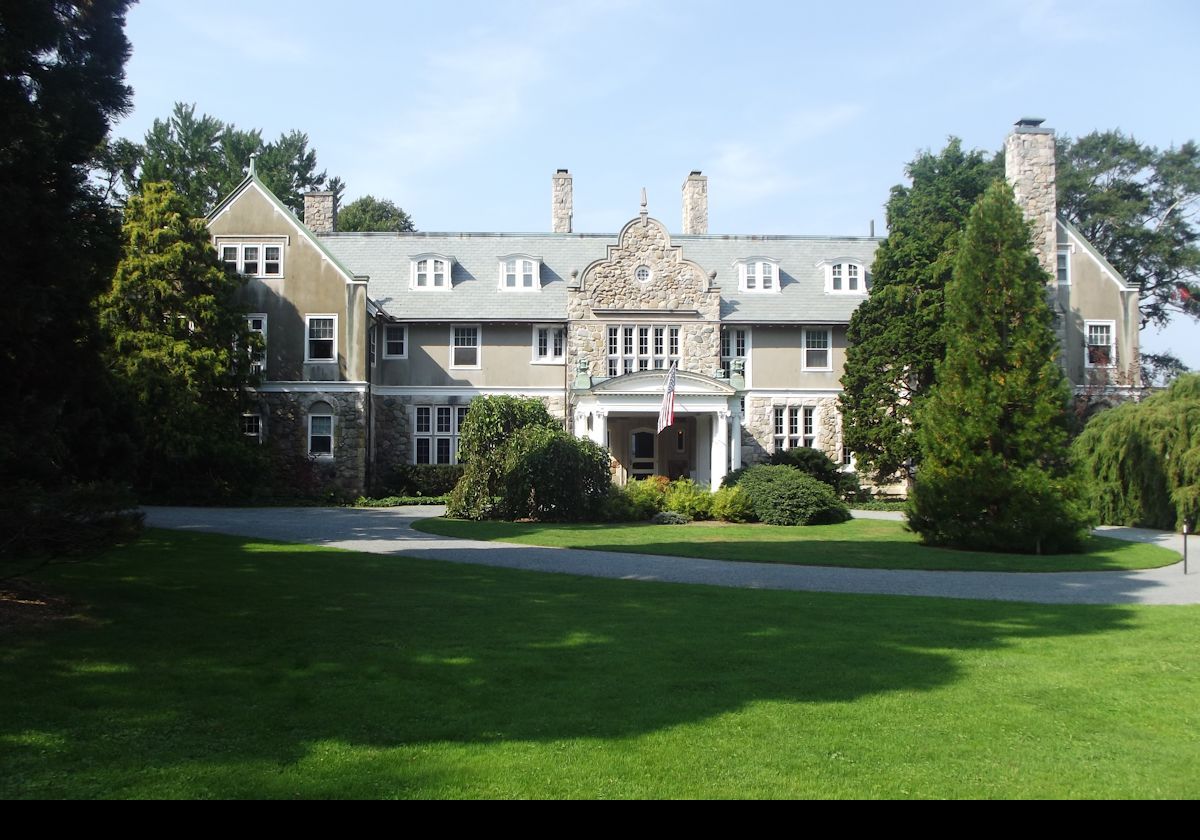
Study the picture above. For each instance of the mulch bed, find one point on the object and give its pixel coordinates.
(24, 606)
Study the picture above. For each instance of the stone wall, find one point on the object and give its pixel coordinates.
(758, 426)
(1030, 168)
(561, 202)
(695, 204)
(285, 431)
(320, 212)
(675, 285)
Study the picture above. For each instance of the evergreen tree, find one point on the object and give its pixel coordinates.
(179, 351)
(995, 472)
(61, 85)
(896, 336)
(369, 213)
(205, 158)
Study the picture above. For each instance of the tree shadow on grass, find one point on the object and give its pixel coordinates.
(212, 652)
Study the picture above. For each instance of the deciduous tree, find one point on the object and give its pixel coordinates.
(371, 214)
(993, 429)
(896, 336)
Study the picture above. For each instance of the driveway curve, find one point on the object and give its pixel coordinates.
(389, 531)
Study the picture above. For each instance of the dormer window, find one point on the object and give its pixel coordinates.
(845, 277)
(520, 273)
(431, 273)
(758, 275)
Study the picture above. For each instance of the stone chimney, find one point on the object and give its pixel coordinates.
(562, 202)
(1029, 168)
(320, 211)
(695, 203)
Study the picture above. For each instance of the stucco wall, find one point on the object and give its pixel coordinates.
(775, 359)
(506, 353)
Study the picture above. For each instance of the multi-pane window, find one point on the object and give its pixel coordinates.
(733, 346)
(435, 433)
(519, 273)
(258, 358)
(254, 259)
(395, 341)
(1100, 350)
(759, 276)
(371, 339)
(320, 434)
(641, 347)
(549, 344)
(1063, 268)
(464, 349)
(794, 426)
(846, 277)
(252, 426)
(431, 273)
(322, 338)
(816, 350)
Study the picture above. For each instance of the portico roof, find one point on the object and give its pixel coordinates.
(653, 382)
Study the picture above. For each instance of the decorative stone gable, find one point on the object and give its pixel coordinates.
(644, 279)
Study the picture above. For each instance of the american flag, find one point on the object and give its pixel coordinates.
(666, 414)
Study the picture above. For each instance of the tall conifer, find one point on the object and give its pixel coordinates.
(995, 473)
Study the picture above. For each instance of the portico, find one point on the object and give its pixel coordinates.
(621, 414)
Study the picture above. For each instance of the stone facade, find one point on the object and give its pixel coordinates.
(284, 418)
(562, 202)
(320, 212)
(678, 292)
(1029, 166)
(695, 204)
(758, 426)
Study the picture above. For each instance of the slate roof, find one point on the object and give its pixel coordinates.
(475, 294)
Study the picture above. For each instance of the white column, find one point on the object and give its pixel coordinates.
(703, 449)
(600, 427)
(720, 449)
(581, 430)
(735, 443)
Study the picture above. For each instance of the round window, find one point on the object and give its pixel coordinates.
(642, 273)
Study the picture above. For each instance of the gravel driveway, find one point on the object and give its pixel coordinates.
(389, 531)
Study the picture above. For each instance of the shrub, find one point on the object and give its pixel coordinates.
(670, 517)
(490, 424)
(783, 495)
(647, 496)
(687, 497)
(551, 475)
(820, 466)
(617, 507)
(79, 519)
(731, 504)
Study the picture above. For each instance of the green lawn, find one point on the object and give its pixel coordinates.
(224, 667)
(860, 543)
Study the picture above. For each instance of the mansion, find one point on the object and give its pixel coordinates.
(376, 343)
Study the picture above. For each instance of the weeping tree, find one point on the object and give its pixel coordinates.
(1141, 461)
(993, 430)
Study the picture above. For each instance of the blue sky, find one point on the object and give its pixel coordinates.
(801, 114)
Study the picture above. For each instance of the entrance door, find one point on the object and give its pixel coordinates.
(641, 453)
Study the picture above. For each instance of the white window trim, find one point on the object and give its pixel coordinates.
(258, 436)
(332, 437)
(828, 265)
(620, 357)
(804, 366)
(742, 267)
(1063, 252)
(782, 442)
(433, 435)
(263, 332)
(550, 359)
(478, 346)
(749, 350)
(412, 280)
(261, 245)
(1112, 338)
(388, 355)
(537, 274)
(308, 360)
